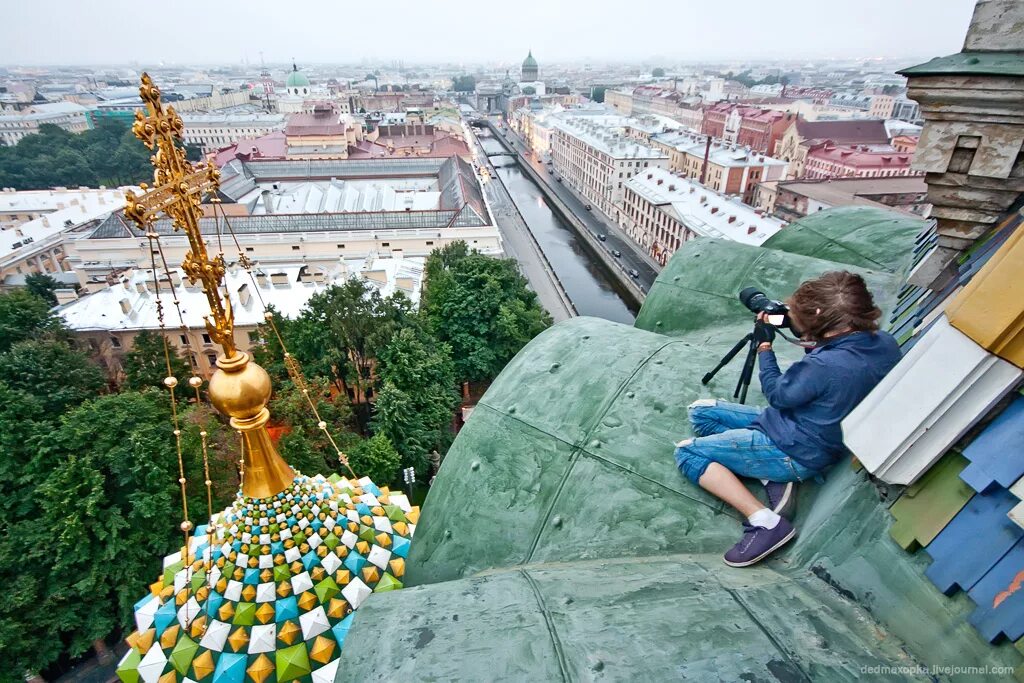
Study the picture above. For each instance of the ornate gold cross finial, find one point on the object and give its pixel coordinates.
(239, 388)
(178, 189)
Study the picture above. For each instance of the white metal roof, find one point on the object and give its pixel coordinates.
(704, 211)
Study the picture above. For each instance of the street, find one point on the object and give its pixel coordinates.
(633, 257)
(520, 244)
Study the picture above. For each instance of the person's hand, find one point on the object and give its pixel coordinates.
(763, 333)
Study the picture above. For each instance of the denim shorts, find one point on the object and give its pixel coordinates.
(723, 436)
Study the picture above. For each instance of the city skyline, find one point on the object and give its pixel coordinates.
(467, 33)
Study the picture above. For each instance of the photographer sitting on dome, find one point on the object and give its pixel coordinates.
(798, 436)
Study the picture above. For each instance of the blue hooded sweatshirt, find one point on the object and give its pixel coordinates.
(808, 402)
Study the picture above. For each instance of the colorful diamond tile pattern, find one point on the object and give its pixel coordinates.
(270, 587)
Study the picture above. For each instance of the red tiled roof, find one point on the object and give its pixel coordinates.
(314, 124)
(269, 146)
(861, 157)
(855, 132)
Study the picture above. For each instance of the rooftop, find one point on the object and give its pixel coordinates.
(43, 112)
(864, 156)
(340, 196)
(131, 304)
(857, 131)
(704, 211)
(34, 201)
(215, 118)
(26, 237)
(605, 133)
(721, 153)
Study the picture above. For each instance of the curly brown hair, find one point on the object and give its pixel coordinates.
(834, 302)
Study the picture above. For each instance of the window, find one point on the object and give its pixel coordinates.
(212, 357)
(206, 339)
(385, 244)
(250, 249)
(295, 247)
(341, 246)
(115, 342)
(430, 243)
(184, 339)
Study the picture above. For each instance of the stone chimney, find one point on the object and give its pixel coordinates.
(970, 147)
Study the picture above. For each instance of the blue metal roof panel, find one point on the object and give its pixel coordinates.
(975, 540)
(997, 454)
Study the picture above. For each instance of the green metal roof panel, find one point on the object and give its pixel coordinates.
(681, 617)
(971, 63)
(864, 236)
(586, 418)
(697, 292)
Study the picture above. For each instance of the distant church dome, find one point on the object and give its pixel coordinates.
(297, 83)
(530, 68)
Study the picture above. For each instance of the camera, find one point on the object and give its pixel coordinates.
(757, 302)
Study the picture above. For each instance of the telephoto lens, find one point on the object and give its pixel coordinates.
(757, 302)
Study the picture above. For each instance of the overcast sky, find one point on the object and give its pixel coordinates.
(193, 31)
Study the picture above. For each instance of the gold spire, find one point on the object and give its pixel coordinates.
(239, 388)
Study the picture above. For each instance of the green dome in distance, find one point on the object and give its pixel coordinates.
(530, 61)
(296, 79)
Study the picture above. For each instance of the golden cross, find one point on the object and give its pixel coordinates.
(178, 189)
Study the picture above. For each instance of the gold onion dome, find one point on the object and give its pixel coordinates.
(266, 590)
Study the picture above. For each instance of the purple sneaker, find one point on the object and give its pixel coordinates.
(758, 543)
(781, 497)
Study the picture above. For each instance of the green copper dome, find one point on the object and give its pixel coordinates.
(296, 79)
(530, 61)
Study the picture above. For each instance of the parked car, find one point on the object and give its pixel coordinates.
(588, 207)
(616, 253)
(558, 180)
(602, 237)
(633, 273)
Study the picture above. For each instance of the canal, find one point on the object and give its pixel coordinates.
(588, 286)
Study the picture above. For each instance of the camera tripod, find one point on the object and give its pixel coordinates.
(748, 366)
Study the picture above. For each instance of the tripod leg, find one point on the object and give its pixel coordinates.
(747, 373)
(726, 358)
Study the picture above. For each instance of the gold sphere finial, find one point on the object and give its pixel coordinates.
(170, 382)
(195, 382)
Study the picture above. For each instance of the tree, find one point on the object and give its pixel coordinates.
(43, 286)
(112, 508)
(267, 352)
(341, 329)
(305, 446)
(58, 376)
(22, 420)
(658, 73)
(463, 83)
(23, 315)
(418, 395)
(375, 458)
(107, 154)
(145, 365)
(483, 308)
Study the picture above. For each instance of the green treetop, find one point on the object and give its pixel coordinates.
(482, 307)
(418, 397)
(145, 365)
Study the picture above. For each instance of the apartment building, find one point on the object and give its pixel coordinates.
(595, 158)
(16, 125)
(212, 131)
(720, 166)
(661, 211)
